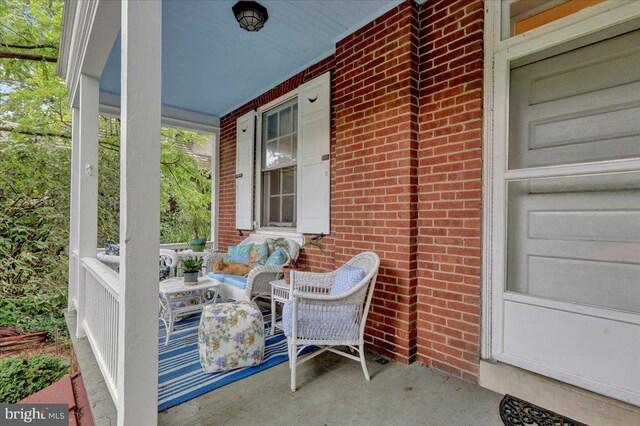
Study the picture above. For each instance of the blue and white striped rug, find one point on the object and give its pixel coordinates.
(180, 376)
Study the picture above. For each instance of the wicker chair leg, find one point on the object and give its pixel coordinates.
(169, 330)
(293, 359)
(364, 363)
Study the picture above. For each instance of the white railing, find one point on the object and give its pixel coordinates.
(101, 318)
(101, 309)
(178, 247)
(113, 262)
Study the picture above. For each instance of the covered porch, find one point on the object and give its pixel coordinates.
(159, 64)
(396, 127)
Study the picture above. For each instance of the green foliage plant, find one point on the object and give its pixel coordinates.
(21, 376)
(191, 265)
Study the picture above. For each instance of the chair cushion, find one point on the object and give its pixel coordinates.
(322, 322)
(217, 277)
(239, 254)
(236, 281)
(261, 252)
(346, 278)
(279, 257)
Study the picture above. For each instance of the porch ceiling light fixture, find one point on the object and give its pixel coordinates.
(250, 15)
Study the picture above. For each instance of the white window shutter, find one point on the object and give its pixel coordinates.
(314, 143)
(245, 131)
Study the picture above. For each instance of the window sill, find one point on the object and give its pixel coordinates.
(282, 233)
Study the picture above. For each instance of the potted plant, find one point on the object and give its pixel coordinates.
(293, 260)
(197, 222)
(191, 268)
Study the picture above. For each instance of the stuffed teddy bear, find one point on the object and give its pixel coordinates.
(230, 268)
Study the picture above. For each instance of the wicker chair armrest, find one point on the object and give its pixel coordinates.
(261, 269)
(209, 258)
(108, 258)
(323, 296)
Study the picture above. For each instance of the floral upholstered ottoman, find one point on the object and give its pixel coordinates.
(231, 335)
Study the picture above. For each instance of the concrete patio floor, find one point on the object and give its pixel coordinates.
(332, 391)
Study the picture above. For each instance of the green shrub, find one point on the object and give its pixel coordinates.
(21, 376)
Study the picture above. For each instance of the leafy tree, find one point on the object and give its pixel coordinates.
(35, 131)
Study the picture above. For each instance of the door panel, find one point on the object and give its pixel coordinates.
(576, 239)
(576, 107)
(596, 353)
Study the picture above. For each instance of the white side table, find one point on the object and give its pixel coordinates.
(178, 300)
(279, 293)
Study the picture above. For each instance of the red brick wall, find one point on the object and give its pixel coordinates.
(375, 196)
(405, 176)
(450, 185)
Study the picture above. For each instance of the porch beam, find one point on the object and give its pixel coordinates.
(87, 172)
(137, 381)
(73, 214)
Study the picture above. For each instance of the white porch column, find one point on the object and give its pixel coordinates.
(215, 191)
(87, 232)
(137, 382)
(73, 214)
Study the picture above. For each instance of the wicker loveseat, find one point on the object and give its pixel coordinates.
(256, 284)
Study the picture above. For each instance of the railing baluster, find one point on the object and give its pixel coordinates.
(102, 318)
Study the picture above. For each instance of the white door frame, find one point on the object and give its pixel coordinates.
(614, 16)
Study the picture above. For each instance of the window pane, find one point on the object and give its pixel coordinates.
(274, 182)
(271, 156)
(285, 156)
(288, 181)
(274, 210)
(286, 121)
(576, 239)
(287, 208)
(272, 126)
(519, 16)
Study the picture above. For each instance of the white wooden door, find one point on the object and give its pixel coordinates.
(571, 309)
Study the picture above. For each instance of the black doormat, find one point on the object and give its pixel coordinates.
(516, 412)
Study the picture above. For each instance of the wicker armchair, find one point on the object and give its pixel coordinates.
(259, 277)
(166, 258)
(328, 320)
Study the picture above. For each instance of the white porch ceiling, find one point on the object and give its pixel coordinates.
(211, 66)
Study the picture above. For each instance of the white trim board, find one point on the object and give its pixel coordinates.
(171, 116)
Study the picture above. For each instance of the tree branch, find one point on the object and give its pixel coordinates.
(28, 47)
(34, 133)
(28, 56)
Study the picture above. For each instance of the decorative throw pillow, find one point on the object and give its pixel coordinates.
(239, 254)
(346, 278)
(232, 254)
(258, 253)
(164, 272)
(279, 257)
(112, 249)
